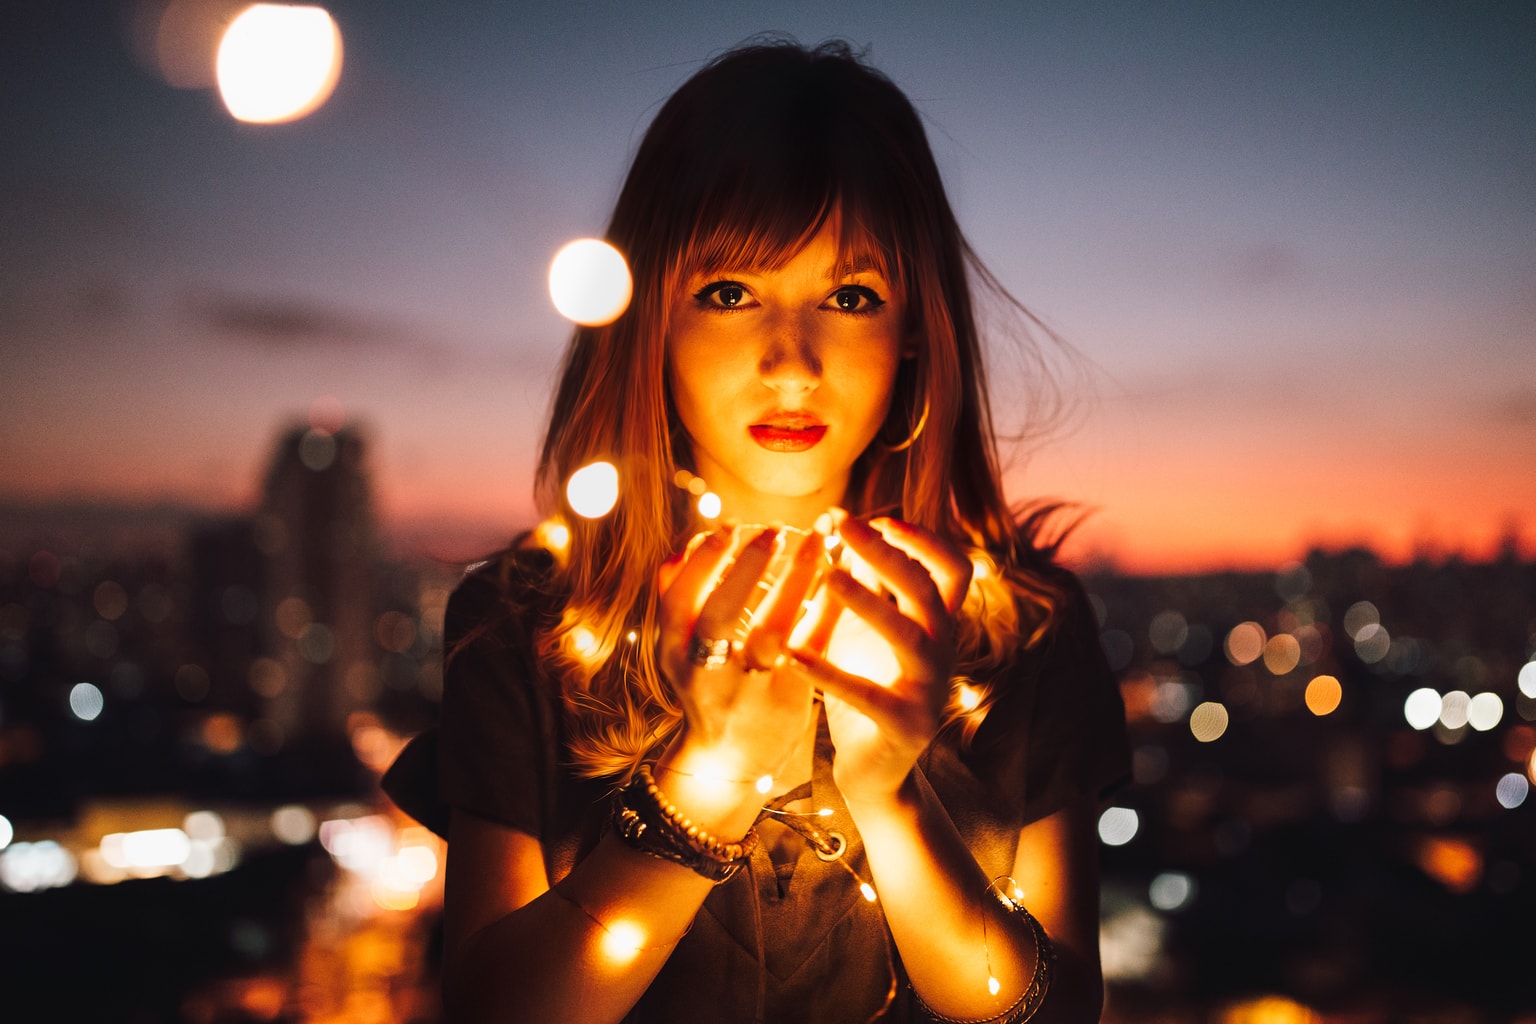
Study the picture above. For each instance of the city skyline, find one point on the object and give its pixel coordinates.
(1293, 247)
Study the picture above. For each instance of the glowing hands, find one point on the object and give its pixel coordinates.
(746, 708)
(879, 730)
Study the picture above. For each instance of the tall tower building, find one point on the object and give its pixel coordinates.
(317, 531)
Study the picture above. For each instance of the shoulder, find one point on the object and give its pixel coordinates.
(514, 591)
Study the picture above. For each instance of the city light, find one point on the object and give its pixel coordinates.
(589, 282)
(278, 62)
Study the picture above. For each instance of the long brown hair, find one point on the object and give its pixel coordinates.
(743, 164)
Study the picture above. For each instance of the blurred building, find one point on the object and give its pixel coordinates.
(318, 537)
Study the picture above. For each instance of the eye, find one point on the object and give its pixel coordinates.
(855, 298)
(722, 295)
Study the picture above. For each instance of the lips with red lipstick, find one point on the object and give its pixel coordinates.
(788, 432)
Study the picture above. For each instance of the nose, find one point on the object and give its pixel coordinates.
(791, 361)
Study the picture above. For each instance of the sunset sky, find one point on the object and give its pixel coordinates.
(1294, 245)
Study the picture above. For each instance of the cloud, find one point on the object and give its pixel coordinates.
(294, 324)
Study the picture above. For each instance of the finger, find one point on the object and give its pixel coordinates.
(947, 565)
(875, 701)
(908, 639)
(774, 622)
(724, 610)
(692, 580)
(915, 590)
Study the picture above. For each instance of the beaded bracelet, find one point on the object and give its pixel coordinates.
(645, 820)
(1033, 996)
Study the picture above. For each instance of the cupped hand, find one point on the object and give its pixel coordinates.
(745, 710)
(880, 728)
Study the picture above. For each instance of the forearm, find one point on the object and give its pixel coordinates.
(952, 935)
(587, 949)
(586, 952)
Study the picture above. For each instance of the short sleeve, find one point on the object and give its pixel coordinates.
(495, 734)
(493, 750)
(1077, 745)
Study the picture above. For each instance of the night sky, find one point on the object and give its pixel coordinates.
(1294, 245)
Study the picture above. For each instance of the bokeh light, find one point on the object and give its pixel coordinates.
(1282, 653)
(593, 490)
(7, 832)
(1323, 695)
(589, 282)
(1422, 708)
(1245, 643)
(1453, 709)
(86, 701)
(293, 824)
(709, 505)
(1512, 790)
(1168, 631)
(1527, 679)
(1208, 721)
(1372, 643)
(1118, 826)
(1360, 615)
(1171, 890)
(278, 62)
(1484, 711)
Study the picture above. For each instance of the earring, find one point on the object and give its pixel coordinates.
(922, 421)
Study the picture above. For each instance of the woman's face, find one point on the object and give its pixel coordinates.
(782, 378)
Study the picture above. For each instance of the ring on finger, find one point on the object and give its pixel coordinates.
(704, 652)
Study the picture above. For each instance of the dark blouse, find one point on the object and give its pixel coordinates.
(801, 945)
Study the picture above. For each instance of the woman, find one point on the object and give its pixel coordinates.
(673, 794)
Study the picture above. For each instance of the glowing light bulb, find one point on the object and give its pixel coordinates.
(765, 784)
(622, 941)
(993, 986)
(553, 536)
(584, 640)
(589, 282)
(868, 891)
(278, 62)
(593, 490)
(709, 505)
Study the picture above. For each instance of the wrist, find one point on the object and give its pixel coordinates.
(701, 787)
(872, 803)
